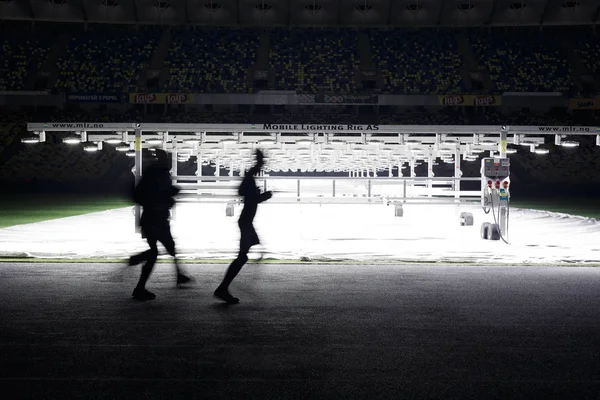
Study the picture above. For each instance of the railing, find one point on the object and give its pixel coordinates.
(332, 190)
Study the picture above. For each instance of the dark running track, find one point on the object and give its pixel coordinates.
(301, 331)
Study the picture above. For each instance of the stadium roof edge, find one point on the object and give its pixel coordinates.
(404, 13)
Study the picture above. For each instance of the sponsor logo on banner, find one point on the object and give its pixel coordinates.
(452, 100)
(470, 100)
(346, 99)
(96, 98)
(173, 98)
(161, 98)
(333, 99)
(143, 98)
(584, 104)
(484, 100)
(306, 98)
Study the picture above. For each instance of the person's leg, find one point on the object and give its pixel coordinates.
(235, 267)
(140, 291)
(166, 238)
(139, 258)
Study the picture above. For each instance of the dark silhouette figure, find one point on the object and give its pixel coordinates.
(252, 197)
(155, 193)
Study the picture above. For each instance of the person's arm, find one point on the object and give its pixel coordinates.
(264, 196)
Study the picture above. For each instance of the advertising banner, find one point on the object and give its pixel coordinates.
(312, 128)
(346, 99)
(306, 98)
(96, 98)
(470, 100)
(584, 104)
(161, 98)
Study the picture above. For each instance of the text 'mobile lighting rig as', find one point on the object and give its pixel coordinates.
(495, 181)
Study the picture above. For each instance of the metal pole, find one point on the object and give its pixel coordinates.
(334, 188)
(174, 156)
(502, 145)
(429, 175)
(457, 174)
(138, 174)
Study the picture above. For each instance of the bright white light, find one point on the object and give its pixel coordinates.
(569, 143)
(511, 151)
(72, 140)
(130, 153)
(542, 151)
(154, 141)
(122, 148)
(30, 140)
(113, 140)
(91, 148)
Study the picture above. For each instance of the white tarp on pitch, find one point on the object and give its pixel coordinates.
(351, 232)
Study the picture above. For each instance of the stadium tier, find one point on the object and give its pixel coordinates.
(587, 47)
(22, 54)
(417, 62)
(106, 61)
(211, 61)
(517, 62)
(110, 59)
(313, 61)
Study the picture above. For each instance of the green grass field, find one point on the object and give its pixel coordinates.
(24, 209)
(585, 207)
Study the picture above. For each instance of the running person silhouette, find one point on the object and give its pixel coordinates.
(155, 194)
(252, 197)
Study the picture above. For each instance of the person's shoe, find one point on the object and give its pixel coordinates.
(134, 260)
(142, 294)
(226, 296)
(181, 279)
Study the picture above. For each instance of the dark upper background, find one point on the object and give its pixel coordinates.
(408, 47)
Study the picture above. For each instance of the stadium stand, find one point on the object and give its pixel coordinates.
(106, 60)
(522, 62)
(22, 53)
(213, 61)
(313, 61)
(587, 46)
(417, 62)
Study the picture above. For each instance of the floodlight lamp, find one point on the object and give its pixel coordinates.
(449, 142)
(569, 143)
(542, 151)
(130, 153)
(30, 139)
(154, 141)
(122, 147)
(90, 147)
(115, 140)
(72, 140)
(511, 151)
